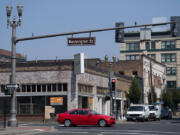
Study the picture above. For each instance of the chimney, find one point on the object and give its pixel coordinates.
(114, 59)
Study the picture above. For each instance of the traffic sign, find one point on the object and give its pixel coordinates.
(82, 41)
(10, 86)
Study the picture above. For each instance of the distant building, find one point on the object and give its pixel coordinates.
(5, 56)
(141, 69)
(162, 46)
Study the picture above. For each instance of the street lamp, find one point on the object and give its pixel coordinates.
(12, 121)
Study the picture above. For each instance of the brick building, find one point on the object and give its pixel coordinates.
(40, 81)
(5, 56)
(141, 69)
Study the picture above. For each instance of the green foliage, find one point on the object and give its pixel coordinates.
(154, 96)
(171, 98)
(176, 98)
(167, 98)
(134, 94)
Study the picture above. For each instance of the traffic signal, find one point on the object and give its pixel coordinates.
(119, 33)
(113, 84)
(175, 27)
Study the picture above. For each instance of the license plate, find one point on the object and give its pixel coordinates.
(134, 118)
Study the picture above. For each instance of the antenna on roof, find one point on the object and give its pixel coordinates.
(36, 59)
(56, 58)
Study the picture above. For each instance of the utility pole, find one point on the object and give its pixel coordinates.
(152, 94)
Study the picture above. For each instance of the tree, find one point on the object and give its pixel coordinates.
(167, 98)
(134, 94)
(154, 96)
(175, 98)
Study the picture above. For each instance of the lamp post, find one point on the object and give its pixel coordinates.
(13, 24)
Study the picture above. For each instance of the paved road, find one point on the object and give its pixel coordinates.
(127, 128)
(163, 127)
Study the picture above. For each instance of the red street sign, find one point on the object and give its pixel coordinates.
(81, 41)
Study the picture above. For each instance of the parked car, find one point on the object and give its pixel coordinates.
(84, 117)
(138, 112)
(166, 114)
(154, 112)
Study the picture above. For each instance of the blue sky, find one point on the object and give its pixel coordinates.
(58, 16)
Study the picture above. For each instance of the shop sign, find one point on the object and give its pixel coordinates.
(56, 100)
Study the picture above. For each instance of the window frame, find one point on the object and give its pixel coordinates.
(132, 46)
(168, 57)
(169, 44)
(172, 84)
(170, 71)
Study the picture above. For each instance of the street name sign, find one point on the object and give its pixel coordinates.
(10, 86)
(82, 41)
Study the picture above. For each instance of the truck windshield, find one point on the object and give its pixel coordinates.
(136, 108)
(152, 108)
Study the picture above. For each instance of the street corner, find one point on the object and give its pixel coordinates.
(24, 130)
(31, 128)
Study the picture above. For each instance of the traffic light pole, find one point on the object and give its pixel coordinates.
(89, 31)
(115, 105)
(111, 74)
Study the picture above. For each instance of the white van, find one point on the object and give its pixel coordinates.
(138, 112)
(154, 112)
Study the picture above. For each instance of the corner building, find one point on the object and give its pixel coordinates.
(40, 81)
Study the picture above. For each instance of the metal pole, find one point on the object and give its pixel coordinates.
(13, 122)
(88, 31)
(152, 94)
(110, 90)
(5, 111)
(115, 104)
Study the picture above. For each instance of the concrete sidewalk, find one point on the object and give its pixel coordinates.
(24, 130)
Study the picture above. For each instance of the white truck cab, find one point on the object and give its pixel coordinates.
(154, 112)
(138, 112)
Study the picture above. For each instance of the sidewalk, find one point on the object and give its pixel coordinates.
(23, 130)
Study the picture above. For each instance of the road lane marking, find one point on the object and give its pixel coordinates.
(71, 132)
(137, 131)
(39, 130)
(127, 133)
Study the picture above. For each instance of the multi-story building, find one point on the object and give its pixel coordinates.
(163, 46)
(5, 56)
(148, 72)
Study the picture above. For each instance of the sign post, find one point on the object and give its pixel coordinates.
(10, 89)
